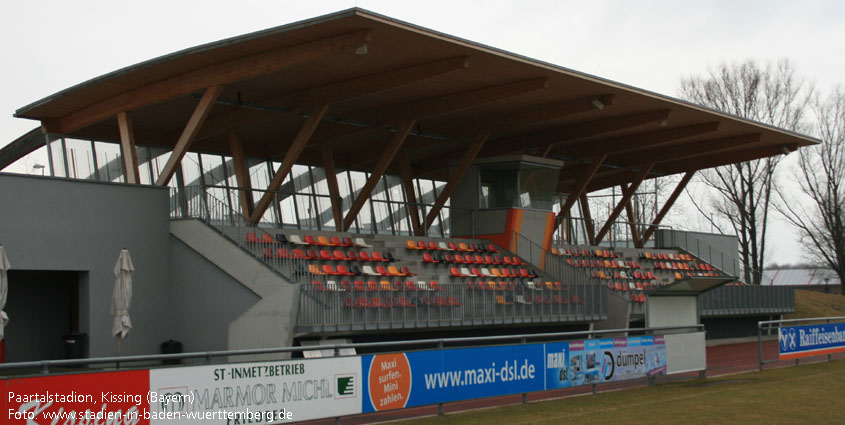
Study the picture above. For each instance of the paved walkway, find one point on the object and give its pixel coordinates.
(721, 360)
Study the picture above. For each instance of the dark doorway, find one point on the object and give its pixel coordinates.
(42, 306)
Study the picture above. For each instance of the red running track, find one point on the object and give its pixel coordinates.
(721, 360)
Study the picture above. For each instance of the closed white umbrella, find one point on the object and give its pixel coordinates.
(122, 296)
(4, 288)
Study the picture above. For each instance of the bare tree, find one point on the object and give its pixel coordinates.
(741, 193)
(818, 207)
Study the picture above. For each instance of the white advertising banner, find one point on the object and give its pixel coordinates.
(686, 353)
(256, 393)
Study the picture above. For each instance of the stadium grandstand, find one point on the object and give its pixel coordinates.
(357, 178)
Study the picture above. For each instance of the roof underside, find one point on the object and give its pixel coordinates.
(453, 89)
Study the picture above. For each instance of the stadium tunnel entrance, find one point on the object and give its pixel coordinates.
(48, 303)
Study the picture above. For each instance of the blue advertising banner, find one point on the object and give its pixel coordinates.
(811, 340)
(594, 361)
(397, 380)
(393, 381)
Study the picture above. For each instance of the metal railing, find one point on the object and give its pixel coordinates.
(761, 323)
(195, 203)
(747, 300)
(619, 234)
(552, 265)
(337, 349)
(415, 306)
(313, 211)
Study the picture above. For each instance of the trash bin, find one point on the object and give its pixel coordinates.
(171, 347)
(75, 345)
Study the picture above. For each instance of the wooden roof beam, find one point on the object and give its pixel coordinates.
(424, 108)
(407, 174)
(378, 171)
(334, 188)
(236, 148)
(532, 115)
(718, 159)
(189, 133)
(632, 221)
(667, 206)
(336, 92)
(626, 197)
(686, 149)
(212, 75)
(615, 177)
(455, 178)
(589, 225)
(127, 148)
(302, 138)
(538, 114)
(634, 142)
(580, 188)
(544, 139)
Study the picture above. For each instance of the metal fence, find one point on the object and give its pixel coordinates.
(338, 350)
(398, 305)
(747, 300)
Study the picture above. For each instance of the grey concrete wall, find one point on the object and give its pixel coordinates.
(618, 313)
(57, 224)
(206, 300)
(268, 322)
(464, 202)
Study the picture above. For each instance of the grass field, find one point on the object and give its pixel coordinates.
(817, 304)
(807, 394)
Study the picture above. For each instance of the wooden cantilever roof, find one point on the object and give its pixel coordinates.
(380, 77)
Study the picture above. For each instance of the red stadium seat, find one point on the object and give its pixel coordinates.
(406, 271)
(377, 256)
(342, 270)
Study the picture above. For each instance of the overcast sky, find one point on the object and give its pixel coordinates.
(48, 46)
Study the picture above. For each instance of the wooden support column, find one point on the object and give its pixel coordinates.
(295, 148)
(588, 219)
(127, 145)
(378, 171)
(410, 192)
(194, 123)
(331, 179)
(236, 148)
(632, 220)
(626, 197)
(667, 205)
(580, 188)
(467, 159)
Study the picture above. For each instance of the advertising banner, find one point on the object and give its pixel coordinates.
(811, 340)
(119, 398)
(594, 361)
(393, 381)
(256, 393)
